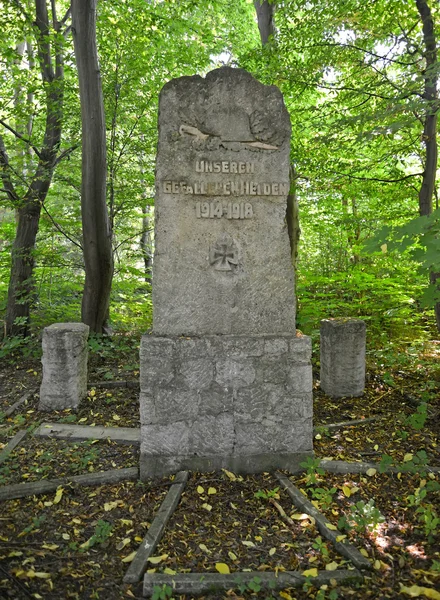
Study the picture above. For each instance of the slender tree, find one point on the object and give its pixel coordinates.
(97, 235)
(49, 42)
(430, 95)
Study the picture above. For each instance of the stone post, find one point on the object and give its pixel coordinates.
(343, 357)
(64, 366)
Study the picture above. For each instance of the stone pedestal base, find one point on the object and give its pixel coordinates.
(238, 402)
(64, 366)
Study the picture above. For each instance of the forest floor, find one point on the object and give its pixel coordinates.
(77, 542)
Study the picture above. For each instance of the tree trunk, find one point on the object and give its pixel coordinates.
(430, 75)
(146, 244)
(21, 289)
(264, 11)
(292, 218)
(97, 244)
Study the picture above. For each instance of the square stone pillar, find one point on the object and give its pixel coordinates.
(64, 361)
(343, 343)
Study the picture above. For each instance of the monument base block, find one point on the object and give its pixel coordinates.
(243, 403)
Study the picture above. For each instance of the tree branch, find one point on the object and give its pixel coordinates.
(44, 54)
(5, 168)
(20, 137)
(60, 229)
(405, 177)
(65, 153)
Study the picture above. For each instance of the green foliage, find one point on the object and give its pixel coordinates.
(162, 592)
(324, 496)
(313, 470)
(363, 517)
(427, 515)
(320, 546)
(266, 494)
(103, 530)
(417, 420)
(420, 238)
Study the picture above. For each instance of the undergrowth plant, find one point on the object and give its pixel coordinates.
(364, 517)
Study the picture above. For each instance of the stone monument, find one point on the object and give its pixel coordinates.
(225, 380)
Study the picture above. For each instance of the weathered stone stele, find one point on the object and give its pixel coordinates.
(225, 381)
(342, 357)
(222, 260)
(64, 361)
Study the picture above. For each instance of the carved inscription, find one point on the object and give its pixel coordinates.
(237, 187)
(225, 188)
(224, 166)
(217, 210)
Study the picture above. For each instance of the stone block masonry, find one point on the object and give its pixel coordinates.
(343, 343)
(64, 366)
(238, 402)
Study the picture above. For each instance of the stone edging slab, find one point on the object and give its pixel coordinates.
(8, 412)
(352, 423)
(343, 467)
(149, 543)
(203, 583)
(114, 384)
(20, 490)
(305, 505)
(121, 435)
(18, 437)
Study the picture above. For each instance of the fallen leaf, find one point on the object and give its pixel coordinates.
(364, 552)
(130, 557)
(407, 458)
(415, 591)
(116, 417)
(207, 506)
(200, 489)
(331, 526)
(31, 574)
(272, 551)
(310, 572)
(332, 566)
(169, 571)
(204, 548)
(123, 543)
(248, 543)
(339, 538)
(346, 490)
(58, 495)
(65, 536)
(371, 472)
(222, 568)
(155, 560)
(231, 476)
(110, 505)
(50, 546)
(212, 490)
(232, 556)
